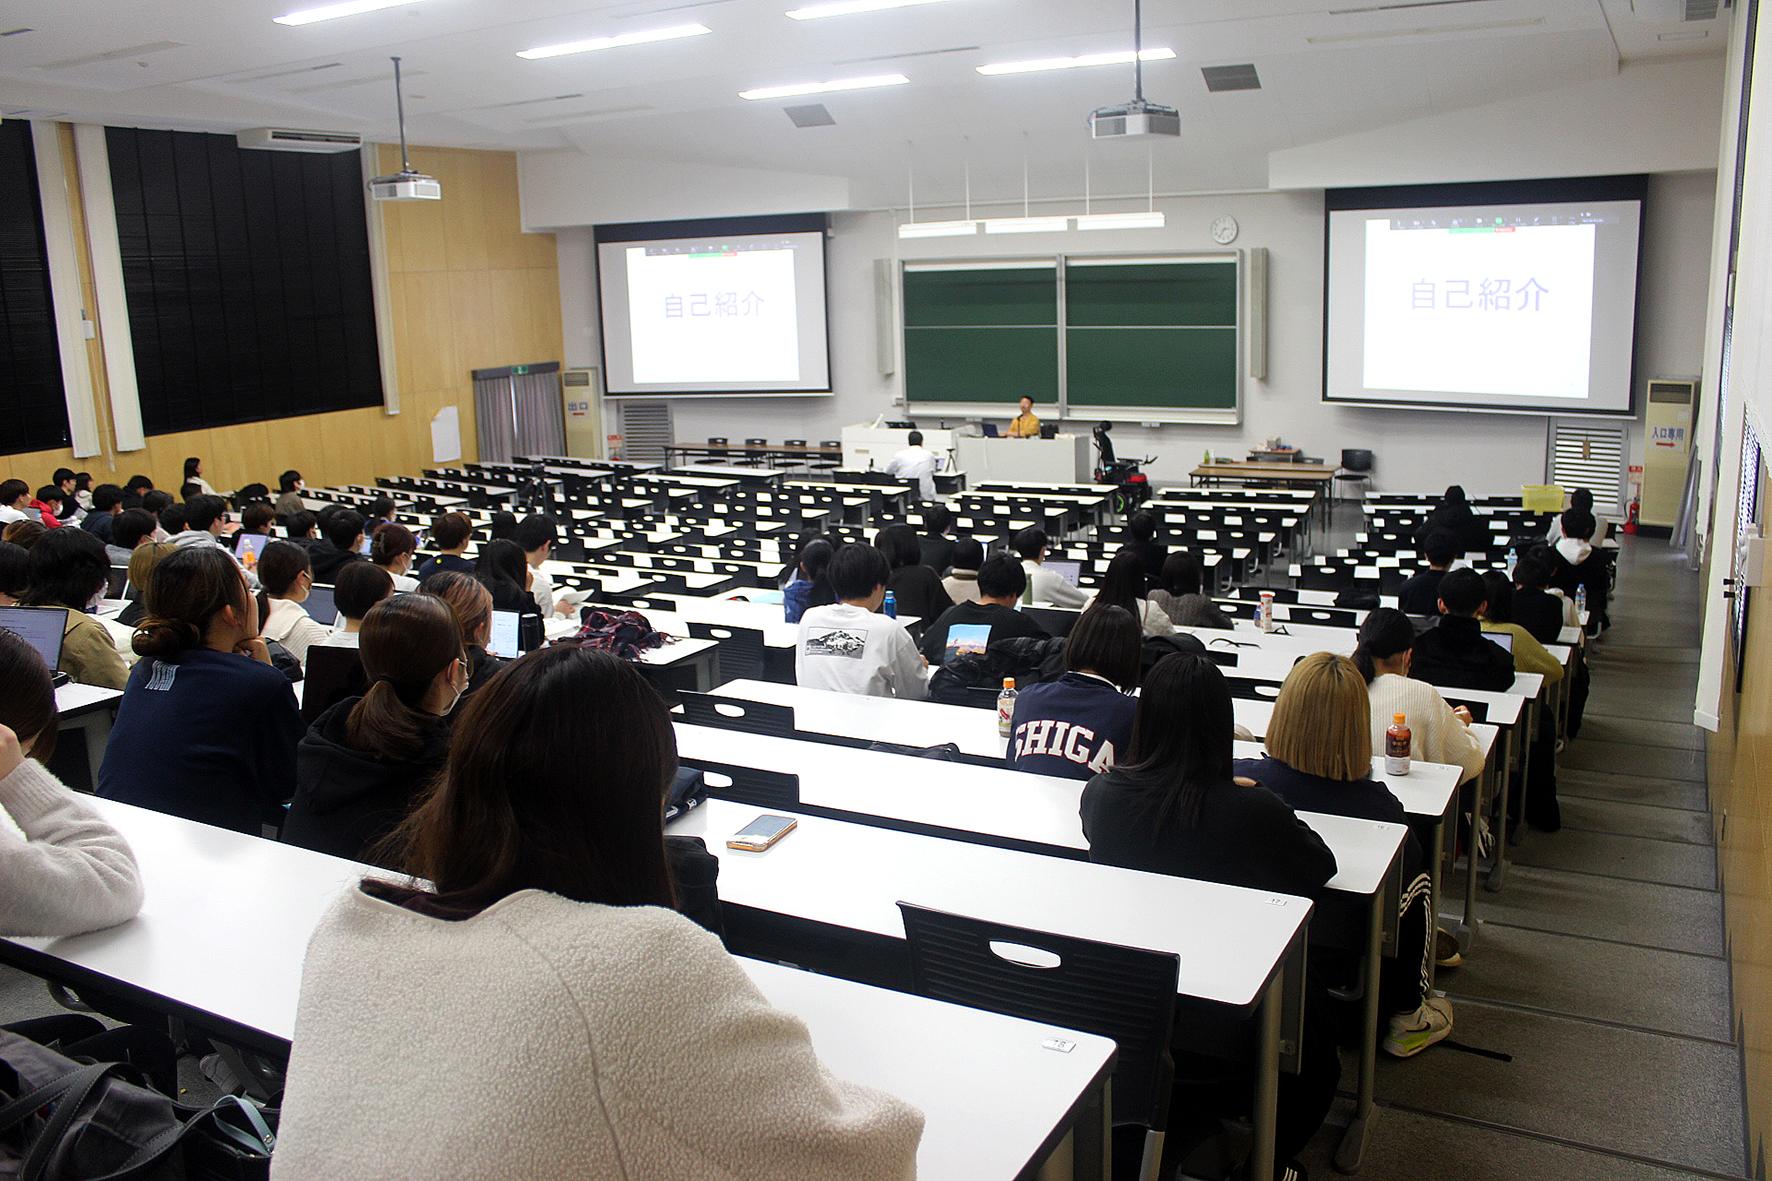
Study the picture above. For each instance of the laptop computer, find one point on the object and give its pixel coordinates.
(319, 605)
(40, 627)
(116, 582)
(1069, 571)
(990, 430)
(1502, 640)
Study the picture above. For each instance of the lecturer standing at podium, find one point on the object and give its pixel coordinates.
(1025, 425)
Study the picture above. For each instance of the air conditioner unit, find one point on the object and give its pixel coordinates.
(1667, 446)
(288, 139)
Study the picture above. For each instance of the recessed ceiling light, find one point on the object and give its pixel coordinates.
(849, 7)
(938, 229)
(1040, 65)
(326, 12)
(793, 91)
(593, 44)
(1026, 225)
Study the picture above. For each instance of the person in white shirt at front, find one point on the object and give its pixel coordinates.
(848, 646)
(1046, 586)
(915, 462)
(15, 501)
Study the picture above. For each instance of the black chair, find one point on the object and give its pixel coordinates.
(1356, 467)
(741, 649)
(750, 785)
(1247, 690)
(718, 451)
(735, 713)
(1123, 993)
(831, 463)
(1326, 616)
(330, 676)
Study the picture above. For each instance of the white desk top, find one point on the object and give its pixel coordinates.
(1230, 940)
(75, 696)
(236, 952)
(991, 801)
(1270, 655)
(738, 473)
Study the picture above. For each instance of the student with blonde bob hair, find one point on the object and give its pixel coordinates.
(1319, 759)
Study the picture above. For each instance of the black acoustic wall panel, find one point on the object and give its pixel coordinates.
(33, 415)
(247, 275)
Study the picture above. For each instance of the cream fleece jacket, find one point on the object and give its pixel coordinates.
(545, 1038)
(1436, 735)
(63, 870)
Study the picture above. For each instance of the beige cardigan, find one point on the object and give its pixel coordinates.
(89, 655)
(545, 1038)
(63, 870)
(1436, 734)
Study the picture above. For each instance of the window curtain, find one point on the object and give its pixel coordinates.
(517, 410)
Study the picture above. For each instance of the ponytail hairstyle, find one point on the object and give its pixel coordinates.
(27, 708)
(1386, 633)
(188, 589)
(405, 642)
(389, 542)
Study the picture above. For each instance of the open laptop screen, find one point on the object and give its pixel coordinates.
(40, 627)
(319, 605)
(1069, 571)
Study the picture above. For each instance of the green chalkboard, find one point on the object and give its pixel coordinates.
(981, 333)
(1156, 334)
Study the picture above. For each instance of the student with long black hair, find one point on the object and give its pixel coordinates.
(811, 586)
(1123, 586)
(366, 759)
(915, 588)
(540, 878)
(502, 569)
(206, 728)
(1319, 759)
(1177, 593)
(1174, 805)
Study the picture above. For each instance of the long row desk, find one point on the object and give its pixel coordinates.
(221, 938)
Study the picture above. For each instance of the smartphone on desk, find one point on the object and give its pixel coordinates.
(761, 833)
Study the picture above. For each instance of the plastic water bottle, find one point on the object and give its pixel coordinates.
(1006, 707)
(1513, 559)
(1580, 601)
(1264, 612)
(889, 607)
(1396, 746)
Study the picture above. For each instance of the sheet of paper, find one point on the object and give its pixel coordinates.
(446, 435)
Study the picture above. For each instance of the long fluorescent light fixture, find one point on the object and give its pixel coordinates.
(938, 229)
(1139, 220)
(868, 83)
(1026, 225)
(326, 12)
(812, 12)
(593, 44)
(1038, 65)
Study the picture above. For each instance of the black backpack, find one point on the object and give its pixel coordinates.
(975, 680)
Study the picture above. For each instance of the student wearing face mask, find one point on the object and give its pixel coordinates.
(364, 762)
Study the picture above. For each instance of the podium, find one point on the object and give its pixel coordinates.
(1062, 459)
(872, 447)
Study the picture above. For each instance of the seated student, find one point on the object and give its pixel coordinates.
(142, 561)
(194, 475)
(961, 583)
(556, 899)
(206, 519)
(206, 728)
(471, 603)
(15, 502)
(937, 546)
(65, 498)
(290, 486)
(287, 577)
(1454, 515)
(379, 513)
(365, 761)
(1581, 499)
(504, 526)
(811, 586)
(1172, 804)
(450, 535)
(302, 528)
(1177, 594)
(503, 571)
(340, 545)
(131, 528)
(1538, 607)
(107, 502)
(915, 587)
(63, 870)
(1076, 726)
(172, 522)
(360, 586)
(1579, 565)
(68, 568)
(15, 562)
(23, 534)
(1542, 810)
(916, 463)
(1046, 586)
(1123, 586)
(159, 503)
(391, 547)
(190, 490)
(970, 627)
(1437, 732)
(848, 646)
(1319, 759)
(257, 518)
(1453, 654)
(536, 534)
(1497, 617)
(137, 486)
(47, 506)
(1420, 595)
(1141, 539)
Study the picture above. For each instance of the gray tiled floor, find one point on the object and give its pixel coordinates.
(1598, 970)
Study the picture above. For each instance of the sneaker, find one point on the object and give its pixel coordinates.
(1411, 1033)
(1446, 953)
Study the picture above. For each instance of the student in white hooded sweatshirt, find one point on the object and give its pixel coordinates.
(538, 1007)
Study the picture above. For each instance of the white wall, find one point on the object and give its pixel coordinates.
(569, 188)
(1415, 449)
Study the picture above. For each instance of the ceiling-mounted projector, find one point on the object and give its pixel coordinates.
(406, 184)
(1134, 118)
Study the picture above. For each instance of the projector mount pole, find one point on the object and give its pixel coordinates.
(400, 113)
(1137, 51)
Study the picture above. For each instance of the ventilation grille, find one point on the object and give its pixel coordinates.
(645, 431)
(1220, 78)
(812, 115)
(1701, 10)
(1591, 457)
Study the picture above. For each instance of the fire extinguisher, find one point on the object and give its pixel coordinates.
(1630, 522)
